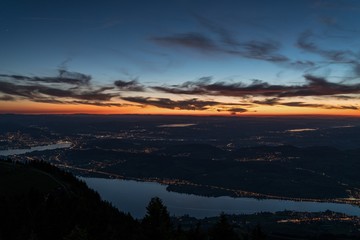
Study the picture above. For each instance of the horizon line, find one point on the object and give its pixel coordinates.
(185, 115)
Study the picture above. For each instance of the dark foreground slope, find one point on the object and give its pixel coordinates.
(38, 201)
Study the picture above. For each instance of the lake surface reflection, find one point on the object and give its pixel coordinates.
(133, 197)
(10, 152)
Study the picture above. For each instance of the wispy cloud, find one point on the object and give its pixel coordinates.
(216, 39)
(222, 41)
(7, 98)
(40, 91)
(190, 104)
(281, 102)
(236, 110)
(99, 103)
(93, 103)
(260, 50)
(314, 86)
(64, 77)
(132, 85)
(192, 40)
(315, 105)
(267, 101)
(352, 59)
(70, 87)
(305, 42)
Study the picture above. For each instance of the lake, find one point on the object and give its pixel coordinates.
(10, 152)
(132, 196)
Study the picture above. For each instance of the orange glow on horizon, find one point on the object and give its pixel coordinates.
(27, 107)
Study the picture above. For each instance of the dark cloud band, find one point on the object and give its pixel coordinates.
(314, 86)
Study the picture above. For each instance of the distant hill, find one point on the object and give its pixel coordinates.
(199, 151)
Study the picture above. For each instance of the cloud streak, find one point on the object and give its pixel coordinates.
(132, 85)
(193, 104)
(190, 104)
(215, 39)
(260, 50)
(306, 42)
(65, 88)
(64, 77)
(280, 102)
(223, 41)
(314, 86)
(32, 92)
(7, 98)
(192, 40)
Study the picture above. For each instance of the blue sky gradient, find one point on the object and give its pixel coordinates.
(168, 43)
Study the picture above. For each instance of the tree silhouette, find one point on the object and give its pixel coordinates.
(77, 234)
(257, 233)
(222, 230)
(156, 223)
(197, 233)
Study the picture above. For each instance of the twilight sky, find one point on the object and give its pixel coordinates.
(241, 57)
